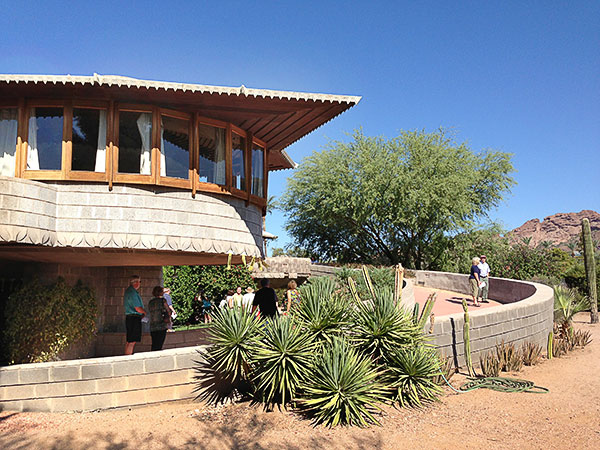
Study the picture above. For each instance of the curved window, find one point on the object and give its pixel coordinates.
(8, 140)
(211, 143)
(89, 140)
(238, 151)
(175, 147)
(258, 169)
(135, 142)
(44, 150)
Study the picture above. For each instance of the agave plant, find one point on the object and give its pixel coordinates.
(234, 335)
(342, 387)
(323, 311)
(412, 374)
(283, 360)
(380, 326)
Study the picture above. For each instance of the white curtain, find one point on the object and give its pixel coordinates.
(257, 172)
(144, 124)
(219, 167)
(8, 141)
(101, 148)
(33, 160)
(163, 150)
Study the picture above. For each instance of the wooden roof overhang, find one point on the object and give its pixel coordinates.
(279, 118)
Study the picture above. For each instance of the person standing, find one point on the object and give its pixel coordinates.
(238, 297)
(248, 298)
(265, 300)
(484, 273)
(172, 313)
(293, 295)
(134, 311)
(160, 317)
(474, 280)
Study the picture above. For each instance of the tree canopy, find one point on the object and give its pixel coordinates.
(388, 201)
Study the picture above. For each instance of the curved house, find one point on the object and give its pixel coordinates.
(105, 176)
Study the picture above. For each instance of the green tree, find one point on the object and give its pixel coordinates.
(388, 201)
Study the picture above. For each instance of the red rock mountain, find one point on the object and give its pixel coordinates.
(559, 228)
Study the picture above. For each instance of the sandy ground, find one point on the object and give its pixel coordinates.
(566, 418)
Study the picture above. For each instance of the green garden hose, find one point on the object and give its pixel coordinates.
(500, 384)
(503, 384)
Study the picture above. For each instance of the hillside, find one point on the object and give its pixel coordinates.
(559, 228)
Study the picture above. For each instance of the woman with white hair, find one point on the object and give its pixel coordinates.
(474, 280)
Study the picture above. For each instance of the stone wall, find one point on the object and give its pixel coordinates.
(113, 344)
(100, 383)
(526, 316)
(87, 215)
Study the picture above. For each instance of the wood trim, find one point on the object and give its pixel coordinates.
(84, 175)
(135, 107)
(114, 169)
(194, 155)
(133, 178)
(239, 131)
(258, 141)
(90, 104)
(46, 103)
(262, 202)
(265, 173)
(110, 137)
(212, 122)
(248, 168)
(212, 188)
(155, 151)
(67, 142)
(25, 144)
(43, 175)
(239, 193)
(21, 130)
(175, 182)
(175, 114)
(228, 158)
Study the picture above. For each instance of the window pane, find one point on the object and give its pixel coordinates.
(8, 141)
(257, 170)
(45, 139)
(89, 140)
(135, 142)
(175, 148)
(238, 145)
(212, 154)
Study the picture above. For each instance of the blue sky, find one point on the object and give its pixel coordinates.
(517, 76)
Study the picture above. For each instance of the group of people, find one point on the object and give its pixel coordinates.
(160, 314)
(160, 311)
(479, 280)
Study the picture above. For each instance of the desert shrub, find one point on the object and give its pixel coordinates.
(323, 312)
(532, 353)
(342, 387)
(581, 338)
(44, 320)
(510, 358)
(378, 326)
(282, 360)
(446, 368)
(412, 373)
(186, 281)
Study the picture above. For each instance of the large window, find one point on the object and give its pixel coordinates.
(175, 147)
(211, 142)
(238, 150)
(45, 135)
(89, 140)
(135, 142)
(257, 183)
(8, 140)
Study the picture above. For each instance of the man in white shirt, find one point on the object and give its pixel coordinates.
(484, 273)
(248, 299)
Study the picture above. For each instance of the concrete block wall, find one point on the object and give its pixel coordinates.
(113, 344)
(100, 383)
(87, 215)
(525, 319)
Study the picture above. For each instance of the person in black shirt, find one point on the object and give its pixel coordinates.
(266, 300)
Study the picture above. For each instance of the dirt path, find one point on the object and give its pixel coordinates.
(567, 417)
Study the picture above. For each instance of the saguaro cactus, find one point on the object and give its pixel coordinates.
(398, 281)
(590, 268)
(467, 339)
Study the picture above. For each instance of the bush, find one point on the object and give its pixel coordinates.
(44, 320)
(186, 281)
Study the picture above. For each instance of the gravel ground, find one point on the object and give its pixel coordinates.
(567, 417)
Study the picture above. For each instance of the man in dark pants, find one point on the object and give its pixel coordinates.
(265, 300)
(134, 311)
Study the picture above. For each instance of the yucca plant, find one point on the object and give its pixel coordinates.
(341, 387)
(234, 336)
(567, 303)
(283, 360)
(380, 326)
(582, 338)
(323, 311)
(412, 374)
